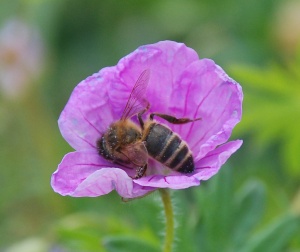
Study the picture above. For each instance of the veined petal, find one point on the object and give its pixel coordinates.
(73, 169)
(208, 166)
(165, 60)
(86, 174)
(88, 112)
(107, 179)
(205, 91)
(179, 181)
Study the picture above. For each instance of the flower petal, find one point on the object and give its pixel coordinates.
(85, 174)
(166, 60)
(212, 162)
(204, 90)
(73, 169)
(88, 112)
(179, 181)
(107, 179)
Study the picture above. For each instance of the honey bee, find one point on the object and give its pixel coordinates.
(129, 144)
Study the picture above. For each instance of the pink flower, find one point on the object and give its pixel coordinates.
(181, 85)
(21, 57)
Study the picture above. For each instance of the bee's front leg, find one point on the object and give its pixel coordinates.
(140, 171)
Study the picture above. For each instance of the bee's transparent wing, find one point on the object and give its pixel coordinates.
(136, 153)
(136, 101)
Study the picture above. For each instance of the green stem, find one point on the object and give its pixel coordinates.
(166, 199)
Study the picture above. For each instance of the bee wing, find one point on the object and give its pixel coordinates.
(136, 101)
(136, 153)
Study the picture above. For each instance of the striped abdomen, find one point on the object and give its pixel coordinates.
(167, 147)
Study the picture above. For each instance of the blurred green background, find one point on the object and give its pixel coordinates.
(47, 47)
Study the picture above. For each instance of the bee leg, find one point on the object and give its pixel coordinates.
(140, 171)
(172, 119)
(141, 113)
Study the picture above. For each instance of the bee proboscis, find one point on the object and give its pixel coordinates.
(129, 144)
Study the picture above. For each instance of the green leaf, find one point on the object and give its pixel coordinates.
(290, 150)
(216, 204)
(249, 206)
(80, 240)
(275, 237)
(271, 108)
(127, 243)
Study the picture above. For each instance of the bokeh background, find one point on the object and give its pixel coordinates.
(48, 46)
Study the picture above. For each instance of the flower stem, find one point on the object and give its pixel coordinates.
(166, 199)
